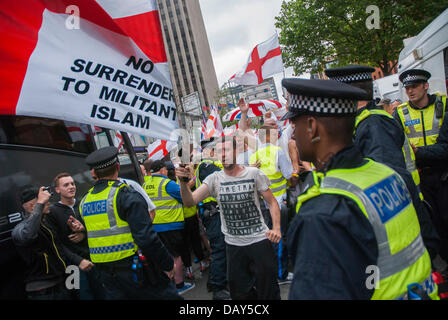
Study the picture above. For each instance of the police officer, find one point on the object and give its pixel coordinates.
(423, 120)
(210, 217)
(119, 232)
(169, 219)
(380, 138)
(356, 217)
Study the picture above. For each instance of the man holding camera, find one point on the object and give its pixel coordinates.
(46, 257)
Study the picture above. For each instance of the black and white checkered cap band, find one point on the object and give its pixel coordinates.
(349, 78)
(322, 105)
(413, 78)
(106, 164)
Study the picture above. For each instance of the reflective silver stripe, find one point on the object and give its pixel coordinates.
(160, 189)
(179, 206)
(161, 198)
(110, 207)
(108, 232)
(280, 188)
(428, 285)
(81, 205)
(407, 118)
(410, 163)
(277, 180)
(388, 264)
(435, 126)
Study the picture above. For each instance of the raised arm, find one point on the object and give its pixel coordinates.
(190, 198)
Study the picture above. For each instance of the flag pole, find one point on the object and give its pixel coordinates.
(131, 152)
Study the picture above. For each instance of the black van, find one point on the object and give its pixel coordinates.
(32, 152)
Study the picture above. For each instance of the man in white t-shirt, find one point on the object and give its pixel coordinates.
(250, 256)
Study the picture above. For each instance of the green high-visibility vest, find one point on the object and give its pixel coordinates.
(408, 152)
(267, 157)
(381, 195)
(190, 211)
(109, 237)
(421, 126)
(168, 210)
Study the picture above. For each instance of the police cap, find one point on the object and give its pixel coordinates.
(412, 76)
(321, 97)
(102, 158)
(350, 74)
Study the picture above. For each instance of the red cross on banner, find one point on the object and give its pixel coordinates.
(256, 63)
(264, 61)
(160, 148)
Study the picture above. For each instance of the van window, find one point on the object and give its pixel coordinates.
(43, 132)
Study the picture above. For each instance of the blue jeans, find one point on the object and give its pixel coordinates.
(218, 265)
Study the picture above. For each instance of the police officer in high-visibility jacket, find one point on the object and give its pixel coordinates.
(356, 234)
(424, 121)
(119, 232)
(169, 219)
(380, 138)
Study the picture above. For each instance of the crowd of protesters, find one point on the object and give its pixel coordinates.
(230, 205)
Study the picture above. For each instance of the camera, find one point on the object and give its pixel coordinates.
(49, 189)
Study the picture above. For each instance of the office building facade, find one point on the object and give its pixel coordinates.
(188, 51)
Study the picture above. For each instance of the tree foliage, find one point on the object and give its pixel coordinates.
(315, 32)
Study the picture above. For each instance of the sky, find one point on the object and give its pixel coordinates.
(234, 28)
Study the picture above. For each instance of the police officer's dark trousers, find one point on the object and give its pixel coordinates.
(120, 283)
(218, 265)
(434, 186)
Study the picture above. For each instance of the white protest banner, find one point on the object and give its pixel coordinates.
(105, 67)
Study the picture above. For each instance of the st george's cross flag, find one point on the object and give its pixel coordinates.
(256, 108)
(160, 148)
(97, 62)
(213, 126)
(264, 61)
